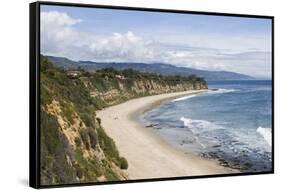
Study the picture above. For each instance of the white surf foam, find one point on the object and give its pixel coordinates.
(221, 91)
(183, 98)
(198, 127)
(199, 124)
(217, 91)
(265, 133)
(188, 123)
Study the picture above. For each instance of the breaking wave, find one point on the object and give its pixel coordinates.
(221, 91)
(210, 92)
(199, 127)
(265, 133)
(203, 125)
(183, 98)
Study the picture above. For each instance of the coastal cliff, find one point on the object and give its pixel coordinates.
(110, 86)
(74, 146)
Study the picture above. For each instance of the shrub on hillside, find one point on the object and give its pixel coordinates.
(123, 163)
(93, 137)
(99, 121)
(77, 141)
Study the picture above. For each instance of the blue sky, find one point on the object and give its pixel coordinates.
(198, 41)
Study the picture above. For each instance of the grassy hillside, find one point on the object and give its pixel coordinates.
(74, 146)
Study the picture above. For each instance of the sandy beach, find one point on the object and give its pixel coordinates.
(148, 155)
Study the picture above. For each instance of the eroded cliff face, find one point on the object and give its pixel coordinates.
(118, 91)
(74, 146)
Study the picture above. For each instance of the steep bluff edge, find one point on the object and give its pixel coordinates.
(74, 146)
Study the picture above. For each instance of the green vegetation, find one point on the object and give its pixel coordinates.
(75, 101)
(110, 86)
(108, 146)
(60, 161)
(89, 137)
(123, 163)
(98, 120)
(77, 141)
(54, 148)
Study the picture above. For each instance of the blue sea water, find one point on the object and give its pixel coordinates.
(231, 124)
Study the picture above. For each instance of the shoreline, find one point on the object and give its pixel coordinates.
(148, 154)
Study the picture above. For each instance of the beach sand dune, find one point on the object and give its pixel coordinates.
(148, 155)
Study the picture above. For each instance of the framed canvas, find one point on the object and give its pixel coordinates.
(123, 94)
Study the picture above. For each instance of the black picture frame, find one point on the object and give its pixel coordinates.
(34, 92)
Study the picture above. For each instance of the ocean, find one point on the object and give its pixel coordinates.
(231, 123)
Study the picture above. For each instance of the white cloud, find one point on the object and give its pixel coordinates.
(57, 32)
(118, 46)
(60, 37)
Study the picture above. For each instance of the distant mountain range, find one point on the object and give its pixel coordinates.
(160, 68)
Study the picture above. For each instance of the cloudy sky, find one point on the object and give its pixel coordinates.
(204, 42)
